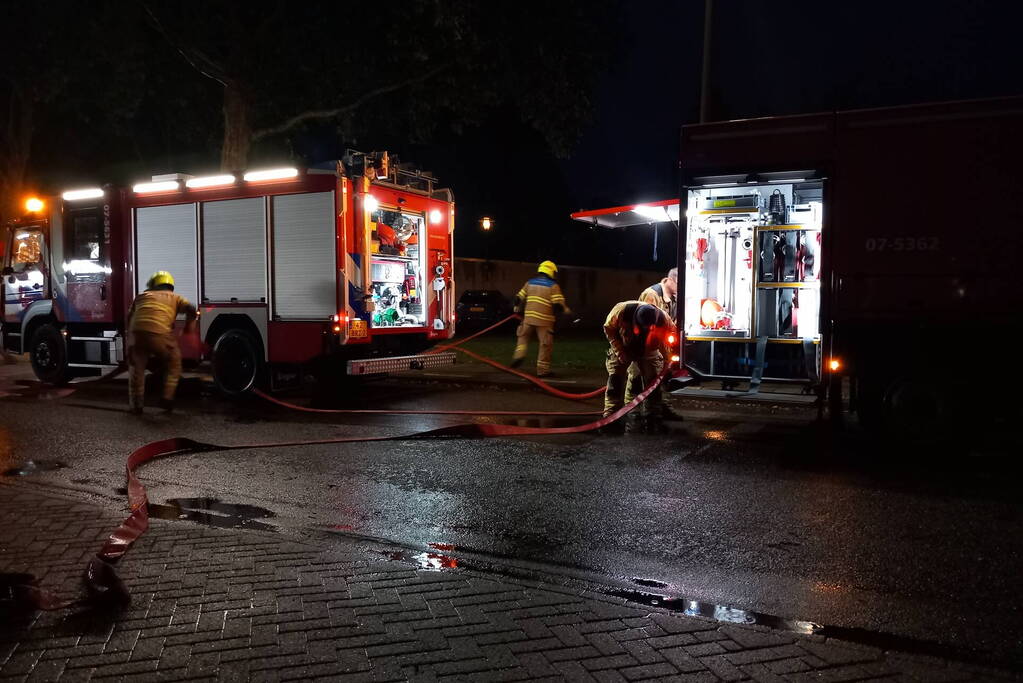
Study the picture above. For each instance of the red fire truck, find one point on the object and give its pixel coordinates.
(877, 246)
(288, 267)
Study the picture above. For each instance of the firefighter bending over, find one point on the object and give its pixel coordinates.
(663, 295)
(540, 301)
(151, 326)
(637, 333)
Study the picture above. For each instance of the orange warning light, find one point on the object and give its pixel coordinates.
(34, 205)
(834, 365)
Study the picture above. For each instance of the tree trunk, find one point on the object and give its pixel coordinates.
(234, 155)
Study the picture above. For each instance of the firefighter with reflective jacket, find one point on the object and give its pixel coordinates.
(638, 333)
(663, 295)
(151, 329)
(540, 301)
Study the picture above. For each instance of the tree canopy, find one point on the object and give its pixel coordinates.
(404, 68)
(140, 84)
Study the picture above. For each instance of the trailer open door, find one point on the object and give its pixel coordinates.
(749, 274)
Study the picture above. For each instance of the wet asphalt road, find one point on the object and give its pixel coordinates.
(761, 512)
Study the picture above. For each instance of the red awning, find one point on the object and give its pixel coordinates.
(647, 213)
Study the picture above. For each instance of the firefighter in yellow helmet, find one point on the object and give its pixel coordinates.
(637, 333)
(540, 301)
(151, 335)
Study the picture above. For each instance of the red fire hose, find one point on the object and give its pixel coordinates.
(457, 347)
(538, 382)
(101, 580)
(104, 586)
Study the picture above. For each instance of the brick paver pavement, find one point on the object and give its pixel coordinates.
(214, 604)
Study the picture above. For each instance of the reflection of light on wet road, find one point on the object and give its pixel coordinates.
(715, 435)
(434, 562)
(824, 587)
(731, 615)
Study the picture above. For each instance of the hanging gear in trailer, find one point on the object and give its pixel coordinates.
(855, 257)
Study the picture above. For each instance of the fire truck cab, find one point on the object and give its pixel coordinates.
(288, 268)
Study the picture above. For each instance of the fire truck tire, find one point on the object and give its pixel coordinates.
(48, 353)
(237, 362)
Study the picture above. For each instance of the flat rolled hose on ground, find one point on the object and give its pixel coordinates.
(104, 587)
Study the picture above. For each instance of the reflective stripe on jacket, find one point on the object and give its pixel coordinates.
(155, 310)
(540, 295)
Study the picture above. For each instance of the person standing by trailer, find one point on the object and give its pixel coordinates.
(151, 328)
(664, 294)
(540, 302)
(637, 333)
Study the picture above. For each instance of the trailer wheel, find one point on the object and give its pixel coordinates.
(48, 353)
(237, 362)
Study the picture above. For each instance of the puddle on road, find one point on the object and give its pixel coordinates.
(698, 608)
(431, 562)
(212, 512)
(33, 467)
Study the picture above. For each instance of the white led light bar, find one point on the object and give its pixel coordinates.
(90, 193)
(210, 181)
(162, 186)
(271, 174)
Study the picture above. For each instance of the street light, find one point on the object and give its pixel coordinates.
(486, 223)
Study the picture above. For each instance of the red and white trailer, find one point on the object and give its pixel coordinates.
(287, 267)
(871, 249)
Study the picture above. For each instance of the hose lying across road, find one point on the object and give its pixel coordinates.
(535, 380)
(104, 587)
(457, 347)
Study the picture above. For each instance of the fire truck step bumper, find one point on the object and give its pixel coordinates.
(759, 397)
(376, 366)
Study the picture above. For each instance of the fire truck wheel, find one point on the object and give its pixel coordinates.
(48, 352)
(237, 362)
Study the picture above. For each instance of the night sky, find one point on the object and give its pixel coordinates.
(768, 58)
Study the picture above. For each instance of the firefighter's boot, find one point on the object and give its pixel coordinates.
(167, 404)
(516, 362)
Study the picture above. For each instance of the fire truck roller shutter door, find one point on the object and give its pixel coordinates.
(304, 259)
(234, 250)
(166, 238)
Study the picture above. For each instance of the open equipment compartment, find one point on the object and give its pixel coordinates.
(397, 265)
(752, 281)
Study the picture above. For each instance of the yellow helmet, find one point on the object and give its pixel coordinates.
(160, 277)
(548, 268)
